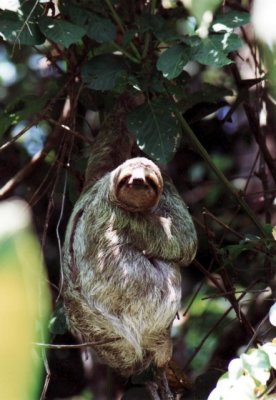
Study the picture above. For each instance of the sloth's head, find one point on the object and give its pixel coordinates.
(137, 185)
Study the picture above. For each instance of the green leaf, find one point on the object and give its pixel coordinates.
(60, 31)
(20, 31)
(230, 20)
(172, 61)
(233, 251)
(75, 14)
(104, 72)
(230, 42)
(165, 31)
(156, 129)
(149, 22)
(97, 6)
(214, 49)
(167, 34)
(97, 28)
(31, 10)
(268, 229)
(22, 109)
(100, 29)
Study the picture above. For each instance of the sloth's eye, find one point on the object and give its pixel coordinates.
(152, 184)
(123, 181)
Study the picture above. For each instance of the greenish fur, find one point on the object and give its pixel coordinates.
(122, 283)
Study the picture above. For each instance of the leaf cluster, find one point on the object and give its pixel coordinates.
(147, 54)
(248, 376)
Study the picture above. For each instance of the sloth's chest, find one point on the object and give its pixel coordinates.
(135, 286)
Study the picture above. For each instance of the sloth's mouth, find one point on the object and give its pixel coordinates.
(138, 185)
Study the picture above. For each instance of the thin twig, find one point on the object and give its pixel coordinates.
(227, 227)
(256, 332)
(70, 131)
(204, 154)
(209, 275)
(19, 134)
(120, 24)
(58, 236)
(228, 290)
(25, 23)
(205, 337)
(48, 375)
(254, 123)
(148, 35)
(24, 172)
(193, 298)
(64, 346)
(223, 294)
(33, 200)
(41, 115)
(213, 328)
(74, 346)
(68, 114)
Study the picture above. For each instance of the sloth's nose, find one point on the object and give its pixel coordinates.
(138, 177)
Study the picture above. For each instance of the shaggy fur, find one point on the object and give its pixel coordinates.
(122, 284)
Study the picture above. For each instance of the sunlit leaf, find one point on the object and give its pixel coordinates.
(156, 129)
(235, 368)
(270, 349)
(172, 61)
(242, 388)
(60, 31)
(230, 20)
(214, 49)
(257, 364)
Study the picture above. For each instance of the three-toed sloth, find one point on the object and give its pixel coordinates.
(127, 237)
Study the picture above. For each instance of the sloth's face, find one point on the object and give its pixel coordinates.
(138, 184)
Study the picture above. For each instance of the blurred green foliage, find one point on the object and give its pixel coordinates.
(24, 304)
